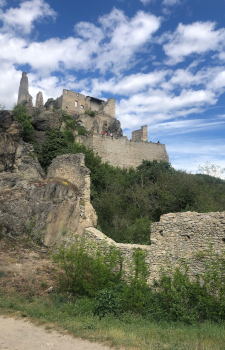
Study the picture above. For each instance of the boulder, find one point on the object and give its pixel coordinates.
(115, 128)
(48, 210)
(45, 120)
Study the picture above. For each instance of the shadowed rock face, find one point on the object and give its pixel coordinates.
(10, 134)
(115, 128)
(16, 155)
(43, 120)
(23, 96)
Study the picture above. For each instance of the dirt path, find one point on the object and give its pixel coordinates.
(23, 335)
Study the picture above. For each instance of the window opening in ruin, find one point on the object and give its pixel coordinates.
(81, 106)
(77, 94)
(75, 103)
(67, 91)
(223, 239)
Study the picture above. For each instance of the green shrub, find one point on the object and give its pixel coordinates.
(107, 301)
(69, 136)
(55, 145)
(21, 116)
(90, 113)
(88, 267)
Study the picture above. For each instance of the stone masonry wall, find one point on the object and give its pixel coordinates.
(73, 102)
(174, 237)
(124, 153)
(141, 134)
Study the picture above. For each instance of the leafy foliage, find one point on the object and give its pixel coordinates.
(21, 116)
(90, 113)
(93, 271)
(88, 267)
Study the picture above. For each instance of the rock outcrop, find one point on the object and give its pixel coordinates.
(44, 209)
(39, 100)
(23, 96)
(115, 128)
(45, 120)
(15, 155)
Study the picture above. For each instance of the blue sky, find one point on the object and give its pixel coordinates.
(162, 60)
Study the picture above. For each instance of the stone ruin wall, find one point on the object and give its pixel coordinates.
(141, 134)
(174, 237)
(73, 102)
(124, 153)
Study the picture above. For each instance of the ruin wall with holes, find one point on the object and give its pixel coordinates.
(122, 152)
(73, 102)
(176, 236)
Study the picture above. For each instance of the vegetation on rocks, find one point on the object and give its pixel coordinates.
(128, 200)
(21, 116)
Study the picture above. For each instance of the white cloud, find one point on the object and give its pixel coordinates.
(145, 2)
(2, 3)
(130, 84)
(171, 2)
(113, 46)
(125, 38)
(196, 38)
(21, 19)
(178, 127)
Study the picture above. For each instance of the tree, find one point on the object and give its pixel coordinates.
(212, 170)
(21, 116)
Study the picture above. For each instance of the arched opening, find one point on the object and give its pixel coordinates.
(75, 103)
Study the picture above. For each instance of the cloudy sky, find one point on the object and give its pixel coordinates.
(162, 60)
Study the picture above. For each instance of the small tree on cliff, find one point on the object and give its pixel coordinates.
(21, 116)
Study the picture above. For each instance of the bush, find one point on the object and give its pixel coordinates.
(88, 267)
(69, 136)
(90, 113)
(55, 145)
(21, 116)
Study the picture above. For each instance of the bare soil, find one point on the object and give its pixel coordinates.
(27, 270)
(23, 335)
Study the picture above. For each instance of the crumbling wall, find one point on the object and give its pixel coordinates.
(141, 134)
(73, 102)
(124, 153)
(176, 236)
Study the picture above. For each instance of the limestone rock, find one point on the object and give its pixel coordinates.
(23, 96)
(115, 128)
(42, 209)
(16, 155)
(39, 100)
(45, 209)
(44, 120)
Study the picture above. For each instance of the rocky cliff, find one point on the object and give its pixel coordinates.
(45, 207)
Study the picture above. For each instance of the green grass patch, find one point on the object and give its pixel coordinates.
(129, 330)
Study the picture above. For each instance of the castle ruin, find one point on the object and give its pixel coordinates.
(99, 118)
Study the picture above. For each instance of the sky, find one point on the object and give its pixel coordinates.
(162, 60)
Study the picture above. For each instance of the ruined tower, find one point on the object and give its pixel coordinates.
(24, 97)
(39, 100)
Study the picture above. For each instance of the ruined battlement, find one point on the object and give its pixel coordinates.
(73, 102)
(115, 149)
(141, 134)
(122, 152)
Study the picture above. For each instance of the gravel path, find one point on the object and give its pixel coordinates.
(23, 335)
